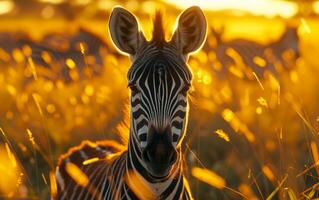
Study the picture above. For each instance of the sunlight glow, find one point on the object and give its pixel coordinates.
(315, 154)
(9, 171)
(269, 8)
(253, 95)
(139, 186)
(316, 6)
(6, 6)
(209, 177)
(76, 174)
(305, 25)
(52, 1)
(90, 161)
(221, 133)
(53, 184)
(268, 172)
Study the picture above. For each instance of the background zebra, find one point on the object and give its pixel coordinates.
(241, 57)
(159, 80)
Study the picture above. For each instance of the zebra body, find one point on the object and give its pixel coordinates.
(159, 79)
(272, 55)
(50, 55)
(108, 176)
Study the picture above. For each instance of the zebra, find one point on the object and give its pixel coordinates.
(159, 80)
(51, 53)
(69, 49)
(271, 55)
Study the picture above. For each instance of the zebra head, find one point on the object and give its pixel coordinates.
(159, 80)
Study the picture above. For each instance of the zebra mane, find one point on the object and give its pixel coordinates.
(158, 30)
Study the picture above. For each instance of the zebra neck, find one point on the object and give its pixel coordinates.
(167, 186)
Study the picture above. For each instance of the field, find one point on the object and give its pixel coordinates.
(253, 131)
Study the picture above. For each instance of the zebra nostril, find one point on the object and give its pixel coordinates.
(146, 156)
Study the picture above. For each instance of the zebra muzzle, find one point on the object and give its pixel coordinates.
(159, 154)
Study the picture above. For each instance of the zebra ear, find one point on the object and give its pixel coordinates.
(124, 30)
(190, 33)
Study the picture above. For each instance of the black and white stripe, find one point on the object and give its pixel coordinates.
(159, 79)
(159, 92)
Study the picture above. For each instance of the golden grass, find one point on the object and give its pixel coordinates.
(269, 121)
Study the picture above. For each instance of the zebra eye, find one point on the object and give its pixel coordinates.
(133, 87)
(185, 89)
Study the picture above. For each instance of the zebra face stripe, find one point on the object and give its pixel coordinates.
(159, 80)
(159, 88)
